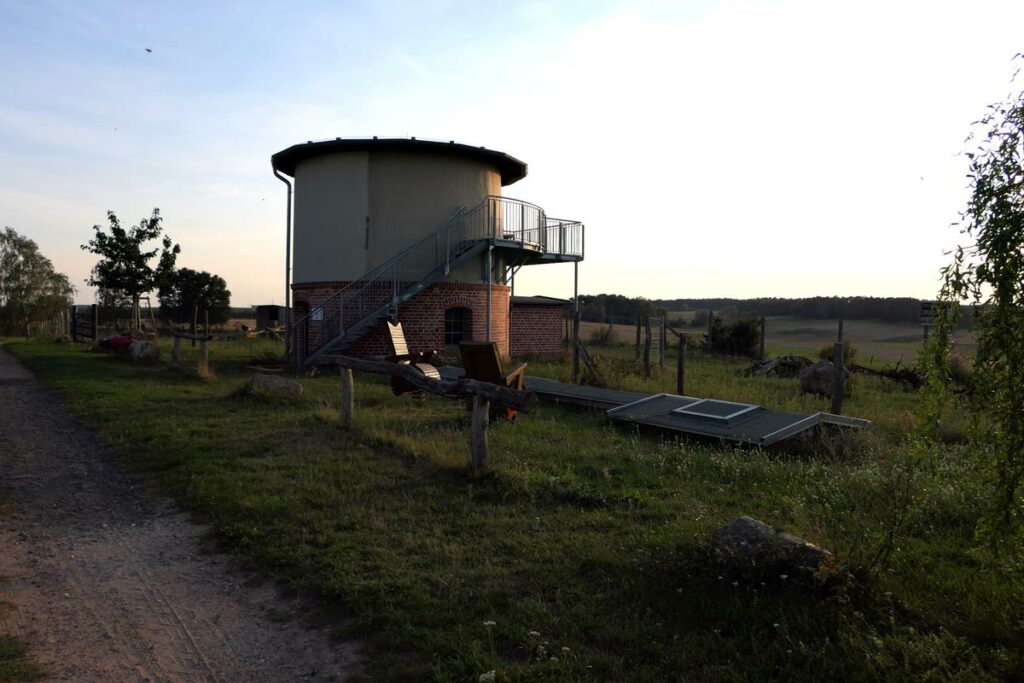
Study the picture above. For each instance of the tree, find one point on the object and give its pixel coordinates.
(188, 291)
(30, 289)
(989, 273)
(124, 268)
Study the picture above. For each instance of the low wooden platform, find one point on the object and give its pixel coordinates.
(708, 418)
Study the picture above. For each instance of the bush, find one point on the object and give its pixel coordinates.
(600, 337)
(828, 352)
(741, 338)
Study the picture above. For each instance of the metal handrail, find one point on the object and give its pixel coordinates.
(382, 289)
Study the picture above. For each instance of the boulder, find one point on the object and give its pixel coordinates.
(144, 351)
(273, 385)
(780, 366)
(746, 543)
(818, 378)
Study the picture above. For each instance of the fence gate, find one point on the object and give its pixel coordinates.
(84, 322)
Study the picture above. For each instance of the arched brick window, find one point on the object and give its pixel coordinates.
(457, 325)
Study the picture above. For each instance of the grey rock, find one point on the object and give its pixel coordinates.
(144, 351)
(780, 366)
(819, 378)
(747, 542)
(274, 386)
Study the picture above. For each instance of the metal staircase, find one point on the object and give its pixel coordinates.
(352, 311)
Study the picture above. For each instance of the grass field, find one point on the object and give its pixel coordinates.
(877, 343)
(583, 553)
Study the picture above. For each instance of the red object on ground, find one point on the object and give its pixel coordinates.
(118, 343)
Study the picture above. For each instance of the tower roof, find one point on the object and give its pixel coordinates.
(511, 169)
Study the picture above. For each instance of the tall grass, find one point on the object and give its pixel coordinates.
(587, 544)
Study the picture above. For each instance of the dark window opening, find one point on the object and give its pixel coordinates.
(456, 326)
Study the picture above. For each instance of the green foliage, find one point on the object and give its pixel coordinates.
(989, 273)
(828, 352)
(604, 307)
(188, 293)
(124, 266)
(740, 337)
(30, 289)
(599, 336)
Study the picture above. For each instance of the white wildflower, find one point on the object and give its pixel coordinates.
(489, 623)
(487, 676)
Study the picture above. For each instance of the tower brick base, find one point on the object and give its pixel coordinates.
(422, 317)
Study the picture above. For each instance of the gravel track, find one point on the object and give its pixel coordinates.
(109, 583)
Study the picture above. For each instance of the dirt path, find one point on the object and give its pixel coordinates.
(109, 584)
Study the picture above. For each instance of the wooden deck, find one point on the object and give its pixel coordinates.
(719, 420)
(560, 392)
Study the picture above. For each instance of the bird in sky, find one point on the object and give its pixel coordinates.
(149, 49)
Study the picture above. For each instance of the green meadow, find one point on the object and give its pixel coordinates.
(584, 551)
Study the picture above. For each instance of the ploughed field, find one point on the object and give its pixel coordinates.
(584, 551)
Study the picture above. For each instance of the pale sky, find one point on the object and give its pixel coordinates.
(737, 148)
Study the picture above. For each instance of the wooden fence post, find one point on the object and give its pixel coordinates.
(176, 350)
(711, 326)
(637, 348)
(647, 347)
(204, 356)
(611, 334)
(662, 343)
(478, 433)
(347, 397)
(760, 353)
(681, 367)
(838, 379)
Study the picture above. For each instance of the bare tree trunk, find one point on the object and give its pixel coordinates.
(136, 323)
(195, 321)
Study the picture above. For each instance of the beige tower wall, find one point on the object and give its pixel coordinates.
(405, 195)
(331, 207)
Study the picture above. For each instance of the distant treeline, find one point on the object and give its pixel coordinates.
(604, 307)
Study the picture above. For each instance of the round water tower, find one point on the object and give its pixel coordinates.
(410, 229)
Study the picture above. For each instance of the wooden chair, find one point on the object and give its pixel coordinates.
(481, 362)
(400, 354)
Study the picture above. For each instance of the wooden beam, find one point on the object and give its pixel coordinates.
(679, 335)
(461, 388)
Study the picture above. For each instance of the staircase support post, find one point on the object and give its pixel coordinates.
(489, 279)
(575, 321)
